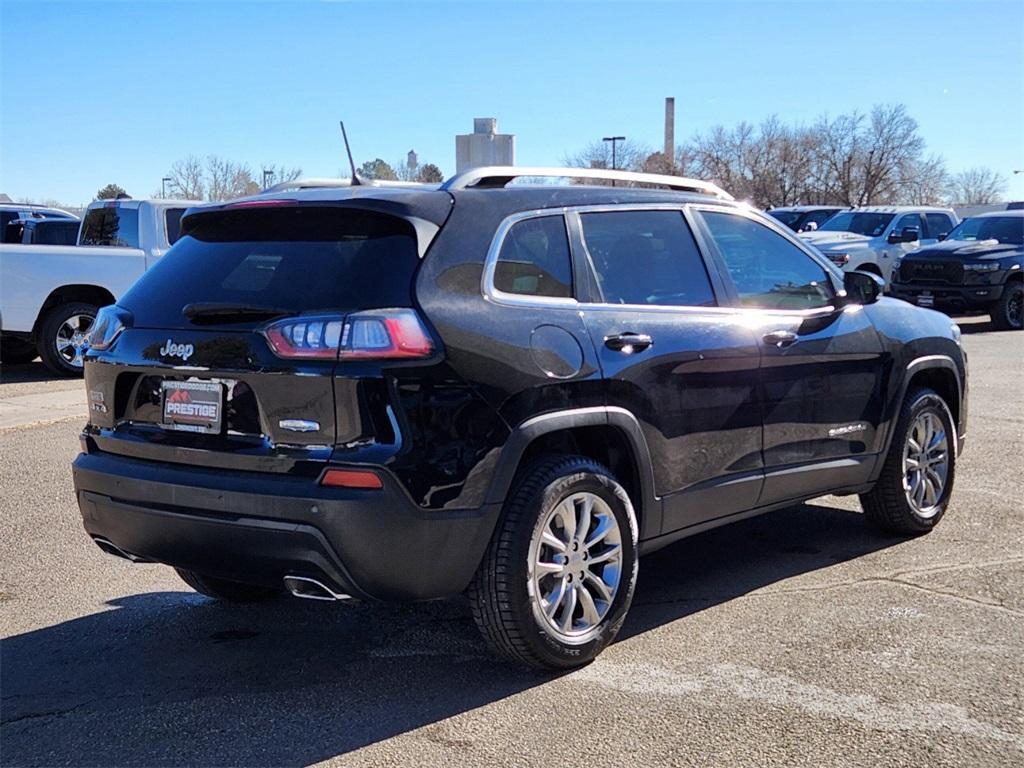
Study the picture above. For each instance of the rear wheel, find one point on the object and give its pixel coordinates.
(557, 580)
(223, 589)
(1008, 313)
(913, 490)
(64, 337)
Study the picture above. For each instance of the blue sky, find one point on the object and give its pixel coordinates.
(97, 92)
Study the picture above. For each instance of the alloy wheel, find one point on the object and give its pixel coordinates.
(575, 566)
(926, 463)
(72, 339)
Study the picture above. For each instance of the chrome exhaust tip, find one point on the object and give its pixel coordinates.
(311, 589)
(112, 549)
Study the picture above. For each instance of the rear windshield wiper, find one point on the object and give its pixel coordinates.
(226, 311)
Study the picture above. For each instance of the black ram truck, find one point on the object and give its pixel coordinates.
(977, 268)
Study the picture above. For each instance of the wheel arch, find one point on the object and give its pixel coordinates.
(940, 373)
(89, 294)
(611, 436)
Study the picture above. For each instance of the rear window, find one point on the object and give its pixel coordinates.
(300, 259)
(172, 218)
(116, 225)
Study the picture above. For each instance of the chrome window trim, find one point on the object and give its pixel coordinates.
(492, 294)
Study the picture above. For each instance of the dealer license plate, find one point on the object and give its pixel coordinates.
(925, 299)
(192, 406)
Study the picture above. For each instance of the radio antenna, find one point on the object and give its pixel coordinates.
(352, 163)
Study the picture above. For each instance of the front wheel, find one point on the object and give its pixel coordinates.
(913, 490)
(1008, 313)
(558, 577)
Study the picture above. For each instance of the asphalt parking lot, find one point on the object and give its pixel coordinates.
(797, 638)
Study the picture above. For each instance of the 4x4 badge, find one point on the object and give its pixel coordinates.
(170, 349)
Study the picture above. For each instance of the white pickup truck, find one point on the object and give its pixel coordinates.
(49, 294)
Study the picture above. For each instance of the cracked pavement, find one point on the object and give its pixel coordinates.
(796, 638)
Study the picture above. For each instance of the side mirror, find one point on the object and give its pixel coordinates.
(942, 236)
(910, 234)
(862, 287)
(810, 226)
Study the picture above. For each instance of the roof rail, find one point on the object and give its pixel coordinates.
(322, 183)
(500, 175)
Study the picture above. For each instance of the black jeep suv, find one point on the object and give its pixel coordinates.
(980, 266)
(499, 389)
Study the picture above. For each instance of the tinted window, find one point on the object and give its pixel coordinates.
(172, 217)
(534, 259)
(937, 224)
(646, 257)
(1008, 230)
(818, 217)
(56, 232)
(6, 217)
(789, 218)
(769, 271)
(909, 220)
(870, 224)
(299, 259)
(115, 225)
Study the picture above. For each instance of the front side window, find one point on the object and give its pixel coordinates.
(870, 224)
(534, 259)
(646, 257)
(909, 220)
(938, 224)
(769, 271)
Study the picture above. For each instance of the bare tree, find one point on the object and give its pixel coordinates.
(629, 155)
(227, 179)
(187, 179)
(276, 174)
(977, 186)
(925, 182)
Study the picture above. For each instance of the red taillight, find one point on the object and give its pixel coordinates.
(385, 334)
(352, 478)
(377, 334)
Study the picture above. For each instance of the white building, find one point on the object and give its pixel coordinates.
(484, 146)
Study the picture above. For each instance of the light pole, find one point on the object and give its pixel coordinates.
(614, 140)
(163, 185)
(267, 173)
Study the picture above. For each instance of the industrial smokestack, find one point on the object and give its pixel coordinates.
(670, 133)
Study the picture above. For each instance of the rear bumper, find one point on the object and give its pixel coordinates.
(259, 528)
(949, 297)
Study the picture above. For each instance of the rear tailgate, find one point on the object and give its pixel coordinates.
(231, 339)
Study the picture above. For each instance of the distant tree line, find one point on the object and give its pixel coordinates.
(852, 159)
(426, 173)
(217, 178)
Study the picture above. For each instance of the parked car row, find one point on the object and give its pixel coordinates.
(49, 295)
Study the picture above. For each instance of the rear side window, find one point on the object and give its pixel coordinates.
(769, 271)
(938, 224)
(298, 259)
(646, 257)
(116, 225)
(534, 259)
(56, 232)
(172, 218)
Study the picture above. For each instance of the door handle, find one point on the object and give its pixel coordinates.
(780, 339)
(628, 343)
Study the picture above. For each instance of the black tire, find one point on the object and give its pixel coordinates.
(1008, 313)
(17, 351)
(887, 506)
(228, 591)
(48, 333)
(500, 594)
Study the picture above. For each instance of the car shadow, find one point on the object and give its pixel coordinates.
(20, 373)
(173, 678)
